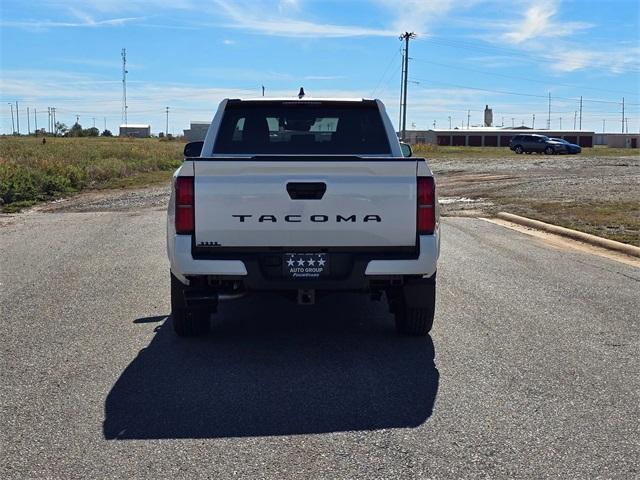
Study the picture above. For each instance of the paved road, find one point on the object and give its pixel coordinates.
(532, 370)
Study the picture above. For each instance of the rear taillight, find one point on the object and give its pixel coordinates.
(426, 205)
(184, 206)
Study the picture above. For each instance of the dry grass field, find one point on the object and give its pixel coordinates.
(31, 171)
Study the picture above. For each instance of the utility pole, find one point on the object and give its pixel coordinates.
(28, 123)
(53, 125)
(626, 120)
(406, 36)
(549, 116)
(560, 123)
(622, 115)
(401, 93)
(603, 124)
(124, 86)
(468, 118)
(449, 122)
(503, 121)
(105, 123)
(166, 130)
(434, 124)
(13, 125)
(18, 118)
(533, 121)
(574, 119)
(263, 90)
(35, 120)
(580, 112)
(49, 119)
(94, 122)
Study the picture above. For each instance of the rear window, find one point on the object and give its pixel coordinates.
(304, 128)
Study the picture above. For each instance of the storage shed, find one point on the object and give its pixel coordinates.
(135, 130)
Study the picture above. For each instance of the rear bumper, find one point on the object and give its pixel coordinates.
(360, 271)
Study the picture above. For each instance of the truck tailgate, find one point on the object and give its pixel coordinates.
(305, 202)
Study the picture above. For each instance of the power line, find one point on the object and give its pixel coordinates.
(384, 74)
(517, 54)
(514, 77)
(532, 95)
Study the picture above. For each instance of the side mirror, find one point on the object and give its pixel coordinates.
(406, 149)
(193, 149)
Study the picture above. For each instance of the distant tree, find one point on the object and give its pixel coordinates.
(107, 133)
(91, 132)
(76, 131)
(60, 128)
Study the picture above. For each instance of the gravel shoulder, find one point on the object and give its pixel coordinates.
(596, 194)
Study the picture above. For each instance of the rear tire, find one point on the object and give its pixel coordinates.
(415, 321)
(187, 322)
(549, 151)
(518, 149)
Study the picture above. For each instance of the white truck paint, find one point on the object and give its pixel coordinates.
(247, 217)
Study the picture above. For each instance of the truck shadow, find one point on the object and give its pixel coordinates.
(337, 366)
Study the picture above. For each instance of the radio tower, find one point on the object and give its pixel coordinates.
(124, 86)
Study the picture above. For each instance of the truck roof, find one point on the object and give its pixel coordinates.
(304, 99)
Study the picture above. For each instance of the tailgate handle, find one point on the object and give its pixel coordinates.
(306, 190)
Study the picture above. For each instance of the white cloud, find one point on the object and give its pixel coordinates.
(539, 22)
(85, 23)
(288, 5)
(417, 15)
(616, 61)
(245, 17)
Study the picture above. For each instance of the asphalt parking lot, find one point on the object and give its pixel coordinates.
(532, 369)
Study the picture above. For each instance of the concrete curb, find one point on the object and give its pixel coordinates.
(566, 232)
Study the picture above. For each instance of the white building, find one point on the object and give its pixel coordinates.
(135, 130)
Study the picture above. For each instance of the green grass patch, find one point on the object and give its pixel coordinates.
(612, 219)
(31, 171)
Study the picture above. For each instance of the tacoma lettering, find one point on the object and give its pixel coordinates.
(316, 218)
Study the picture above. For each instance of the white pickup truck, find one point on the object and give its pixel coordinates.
(302, 197)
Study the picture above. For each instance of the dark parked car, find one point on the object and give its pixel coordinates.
(536, 143)
(571, 147)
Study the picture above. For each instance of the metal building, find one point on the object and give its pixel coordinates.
(135, 130)
(197, 131)
(491, 136)
(618, 140)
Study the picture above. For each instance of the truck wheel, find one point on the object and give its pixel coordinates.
(518, 149)
(549, 151)
(187, 322)
(416, 320)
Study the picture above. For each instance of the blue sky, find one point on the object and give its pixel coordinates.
(189, 54)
